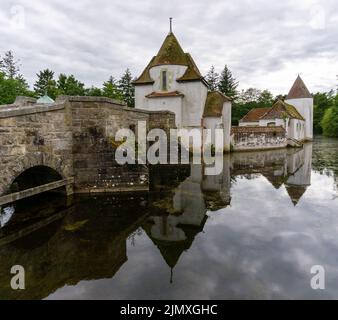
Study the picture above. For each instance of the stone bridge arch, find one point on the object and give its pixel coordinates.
(26, 162)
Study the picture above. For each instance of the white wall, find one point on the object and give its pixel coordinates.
(296, 129)
(191, 105)
(226, 115)
(278, 122)
(173, 104)
(173, 72)
(141, 102)
(248, 124)
(305, 108)
(195, 95)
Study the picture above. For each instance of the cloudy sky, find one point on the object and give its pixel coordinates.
(265, 43)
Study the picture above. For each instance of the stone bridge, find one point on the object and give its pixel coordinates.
(69, 143)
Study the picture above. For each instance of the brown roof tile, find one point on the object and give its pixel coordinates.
(281, 110)
(254, 115)
(298, 90)
(214, 104)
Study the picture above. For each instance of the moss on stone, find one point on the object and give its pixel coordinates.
(75, 226)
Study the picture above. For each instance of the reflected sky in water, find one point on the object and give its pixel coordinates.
(253, 232)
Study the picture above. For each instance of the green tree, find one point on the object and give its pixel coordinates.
(248, 95)
(93, 92)
(45, 84)
(227, 83)
(68, 85)
(9, 66)
(10, 88)
(212, 78)
(265, 99)
(127, 89)
(329, 122)
(110, 89)
(322, 102)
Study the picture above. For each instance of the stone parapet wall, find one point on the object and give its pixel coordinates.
(34, 136)
(258, 138)
(74, 136)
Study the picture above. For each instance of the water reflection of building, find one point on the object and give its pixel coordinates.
(181, 215)
(299, 173)
(291, 168)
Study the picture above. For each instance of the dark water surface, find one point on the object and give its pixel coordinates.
(254, 231)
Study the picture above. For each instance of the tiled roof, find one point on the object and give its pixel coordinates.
(298, 90)
(254, 115)
(171, 53)
(145, 78)
(281, 110)
(214, 104)
(165, 94)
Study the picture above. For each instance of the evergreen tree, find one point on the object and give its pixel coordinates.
(45, 84)
(127, 89)
(68, 85)
(227, 83)
(212, 78)
(111, 90)
(9, 66)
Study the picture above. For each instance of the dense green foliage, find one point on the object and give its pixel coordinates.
(329, 123)
(11, 88)
(249, 99)
(13, 84)
(322, 102)
(45, 84)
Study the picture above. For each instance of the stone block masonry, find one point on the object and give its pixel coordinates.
(73, 136)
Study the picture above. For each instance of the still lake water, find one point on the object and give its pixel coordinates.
(252, 232)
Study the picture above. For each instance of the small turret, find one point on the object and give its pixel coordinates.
(300, 97)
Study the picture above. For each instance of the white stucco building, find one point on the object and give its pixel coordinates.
(171, 81)
(295, 114)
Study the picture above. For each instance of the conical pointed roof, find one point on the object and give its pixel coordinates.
(45, 99)
(295, 193)
(171, 53)
(299, 90)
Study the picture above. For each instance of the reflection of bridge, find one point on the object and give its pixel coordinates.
(69, 139)
(51, 247)
(67, 247)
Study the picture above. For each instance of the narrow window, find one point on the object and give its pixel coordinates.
(164, 81)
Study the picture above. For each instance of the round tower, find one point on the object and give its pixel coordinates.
(300, 97)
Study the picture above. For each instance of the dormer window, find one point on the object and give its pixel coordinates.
(164, 80)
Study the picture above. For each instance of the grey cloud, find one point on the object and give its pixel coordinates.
(265, 43)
